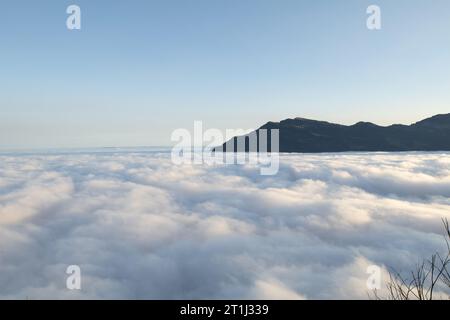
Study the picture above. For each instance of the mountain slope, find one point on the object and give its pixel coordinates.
(305, 135)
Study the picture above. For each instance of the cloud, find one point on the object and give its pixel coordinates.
(141, 227)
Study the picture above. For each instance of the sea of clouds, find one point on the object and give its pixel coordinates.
(142, 227)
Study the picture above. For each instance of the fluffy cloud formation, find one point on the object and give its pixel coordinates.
(141, 227)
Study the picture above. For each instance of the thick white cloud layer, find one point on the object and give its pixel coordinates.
(141, 227)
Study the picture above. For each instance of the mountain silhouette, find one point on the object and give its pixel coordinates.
(305, 135)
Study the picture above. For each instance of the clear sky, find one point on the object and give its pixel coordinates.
(137, 70)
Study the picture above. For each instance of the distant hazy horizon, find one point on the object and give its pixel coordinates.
(140, 147)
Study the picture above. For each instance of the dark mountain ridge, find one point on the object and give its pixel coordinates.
(306, 135)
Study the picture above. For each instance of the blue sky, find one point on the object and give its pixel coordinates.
(137, 70)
